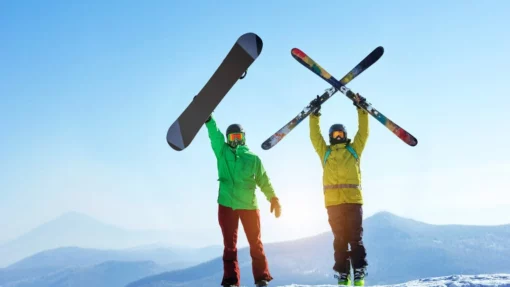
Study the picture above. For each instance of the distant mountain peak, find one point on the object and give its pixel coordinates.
(72, 229)
(385, 214)
(74, 216)
(388, 217)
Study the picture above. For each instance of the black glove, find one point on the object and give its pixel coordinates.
(316, 104)
(208, 119)
(358, 99)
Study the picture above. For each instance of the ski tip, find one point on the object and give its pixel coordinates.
(297, 52)
(299, 55)
(379, 51)
(251, 43)
(414, 142)
(408, 139)
(266, 145)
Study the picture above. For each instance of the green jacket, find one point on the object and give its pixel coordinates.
(240, 171)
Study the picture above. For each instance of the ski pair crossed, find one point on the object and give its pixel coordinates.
(306, 61)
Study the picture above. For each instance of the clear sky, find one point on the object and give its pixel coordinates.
(88, 90)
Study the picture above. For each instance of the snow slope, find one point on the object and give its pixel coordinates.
(500, 280)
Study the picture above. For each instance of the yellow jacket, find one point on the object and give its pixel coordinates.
(341, 174)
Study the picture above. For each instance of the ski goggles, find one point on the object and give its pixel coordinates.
(235, 136)
(336, 134)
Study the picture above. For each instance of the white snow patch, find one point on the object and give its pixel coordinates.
(499, 280)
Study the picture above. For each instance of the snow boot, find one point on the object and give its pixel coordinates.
(359, 277)
(343, 279)
(262, 283)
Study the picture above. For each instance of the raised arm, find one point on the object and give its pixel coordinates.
(316, 137)
(215, 135)
(361, 137)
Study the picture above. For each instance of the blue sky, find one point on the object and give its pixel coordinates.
(88, 90)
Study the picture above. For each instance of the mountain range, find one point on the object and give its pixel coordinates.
(399, 250)
(74, 229)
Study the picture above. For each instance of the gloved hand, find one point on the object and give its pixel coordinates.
(208, 119)
(275, 205)
(316, 103)
(358, 99)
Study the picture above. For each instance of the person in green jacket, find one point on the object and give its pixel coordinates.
(240, 171)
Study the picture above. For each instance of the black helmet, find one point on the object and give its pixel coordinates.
(338, 138)
(235, 129)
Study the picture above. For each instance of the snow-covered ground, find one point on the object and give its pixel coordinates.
(500, 280)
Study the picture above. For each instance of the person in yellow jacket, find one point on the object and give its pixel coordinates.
(342, 191)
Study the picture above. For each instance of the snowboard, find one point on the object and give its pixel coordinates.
(233, 67)
(368, 61)
(306, 61)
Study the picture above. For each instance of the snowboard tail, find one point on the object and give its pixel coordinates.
(244, 52)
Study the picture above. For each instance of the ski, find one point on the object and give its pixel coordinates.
(306, 61)
(285, 130)
(243, 53)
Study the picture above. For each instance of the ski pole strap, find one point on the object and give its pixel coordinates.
(334, 186)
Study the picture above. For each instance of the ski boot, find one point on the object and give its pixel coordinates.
(359, 277)
(343, 279)
(262, 283)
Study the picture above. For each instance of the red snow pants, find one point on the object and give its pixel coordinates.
(229, 222)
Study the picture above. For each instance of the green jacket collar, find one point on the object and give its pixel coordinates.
(240, 149)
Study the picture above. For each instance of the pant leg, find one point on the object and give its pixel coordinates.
(337, 222)
(355, 236)
(251, 224)
(229, 222)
